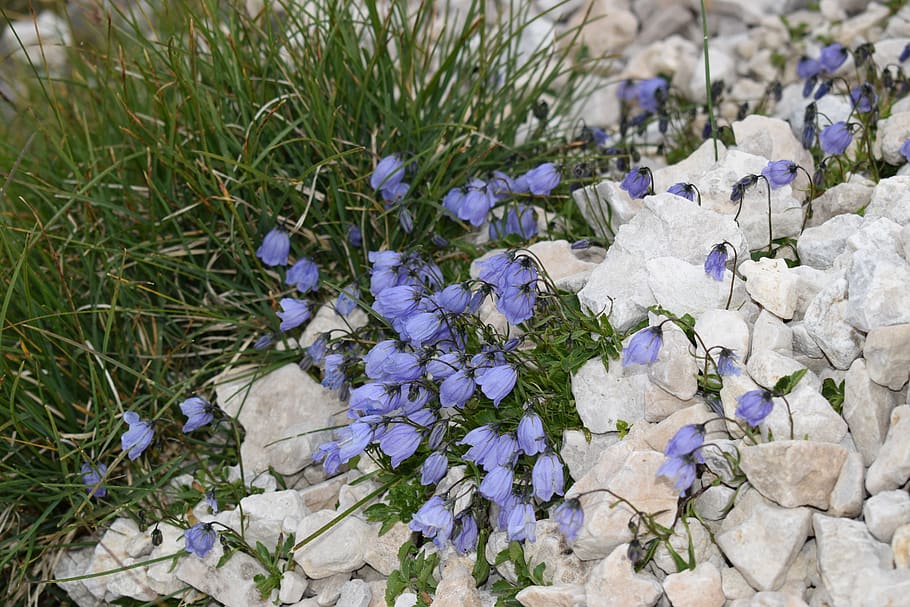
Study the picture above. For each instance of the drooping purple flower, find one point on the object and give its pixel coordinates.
(547, 477)
(454, 298)
(832, 57)
(457, 389)
(482, 439)
(835, 138)
(496, 486)
(686, 440)
(518, 220)
(716, 261)
(726, 363)
(304, 275)
(809, 85)
(355, 236)
(395, 302)
(497, 383)
(316, 351)
(347, 300)
(275, 248)
(570, 517)
(476, 203)
(823, 89)
(780, 173)
(421, 326)
(517, 302)
(400, 442)
(543, 179)
(353, 439)
(637, 182)
(212, 501)
(503, 453)
(807, 67)
(200, 539)
(522, 522)
(294, 313)
(92, 476)
(394, 193)
(434, 520)
(863, 97)
(433, 468)
(199, 412)
(327, 453)
(681, 469)
(453, 200)
(740, 187)
(465, 536)
(754, 406)
(581, 244)
(599, 136)
(389, 173)
(334, 376)
(137, 439)
(905, 150)
(627, 90)
(685, 190)
(644, 346)
(444, 365)
(530, 434)
(652, 93)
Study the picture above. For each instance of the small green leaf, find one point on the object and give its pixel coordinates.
(481, 569)
(622, 426)
(786, 384)
(834, 393)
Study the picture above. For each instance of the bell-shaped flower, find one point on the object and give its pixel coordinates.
(652, 94)
(496, 486)
(835, 138)
(547, 477)
(684, 190)
(530, 433)
(497, 382)
(682, 470)
(92, 477)
(304, 275)
(434, 520)
(457, 389)
(522, 523)
(644, 346)
(543, 179)
(726, 363)
(482, 440)
(275, 248)
(780, 173)
(434, 467)
(517, 303)
(464, 539)
(200, 539)
(570, 517)
(716, 261)
(687, 439)
(294, 313)
(637, 182)
(137, 439)
(395, 302)
(400, 441)
(347, 300)
(199, 412)
(389, 173)
(754, 406)
(832, 57)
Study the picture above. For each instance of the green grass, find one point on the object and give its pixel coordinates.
(137, 189)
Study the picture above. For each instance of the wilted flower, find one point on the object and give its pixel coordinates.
(780, 172)
(211, 500)
(200, 539)
(637, 182)
(754, 406)
(198, 411)
(569, 516)
(275, 248)
(644, 346)
(864, 97)
(740, 187)
(726, 363)
(137, 439)
(304, 275)
(835, 138)
(716, 261)
(92, 477)
(294, 313)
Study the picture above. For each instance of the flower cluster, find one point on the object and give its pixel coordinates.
(683, 453)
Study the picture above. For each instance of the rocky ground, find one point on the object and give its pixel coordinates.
(824, 519)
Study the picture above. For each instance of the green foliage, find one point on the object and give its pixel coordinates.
(506, 590)
(415, 574)
(401, 502)
(265, 584)
(622, 426)
(834, 393)
(786, 384)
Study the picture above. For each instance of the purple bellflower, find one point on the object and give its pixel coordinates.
(355, 236)
(465, 536)
(754, 406)
(433, 468)
(685, 190)
(864, 97)
(275, 248)
(294, 314)
(530, 434)
(496, 486)
(92, 477)
(905, 53)
(832, 57)
(644, 346)
(497, 383)
(434, 520)
(726, 363)
(780, 173)
(652, 93)
(570, 517)
(347, 300)
(482, 440)
(199, 412)
(682, 470)
(637, 182)
(200, 539)
(716, 261)
(547, 477)
(304, 275)
(389, 173)
(137, 439)
(542, 179)
(835, 138)
(457, 389)
(807, 67)
(686, 440)
(518, 220)
(522, 523)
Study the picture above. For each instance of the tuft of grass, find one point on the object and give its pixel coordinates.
(139, 186)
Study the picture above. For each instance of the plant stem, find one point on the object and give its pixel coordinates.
(704, 29)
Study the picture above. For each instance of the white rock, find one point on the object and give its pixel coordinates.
(772, 138)
(660, 404)
(675, 369)
(699, 587)
(867, 409)
(73, 563)
(605, 206)
(769, 333)
(604, 397)
(847, 496)
(771, 285)
(381, 551)
(762, 540)
(328, 589)
(689, 168)
(900, 546)
(231, 584)
(846, 197)
(293, 585)
(766, 367)
(887, 355)
(776, 599)
(610, 27)
(699, 537)
(563, 595)
(661, 229)
(885, 512)
(794, 473)
(735, 586)
(41, 42)
(813, 417)
(340, 549)
(406, 599)
(614, 583)
(295, 406)
(111, 553)
(723, 67)
(579, 454)
(879, 234)
(355, 593)
(724, 328)
(606, 521)
(890, 199)
(326, 320)
(714, 503)
(658, 435)
(847, 554)
(269, 515)
(566, 266)
(819, 246)
(826, 322)
(685, 288)
(891, 468)
(550, 548)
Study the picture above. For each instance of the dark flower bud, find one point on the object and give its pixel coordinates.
(157, 537)
(635, 552)
(862, 53)
(905, 54)
(823, 89)
(541, 110)
(810, 85)
(743, 111)
(717, 89)
(776, 90)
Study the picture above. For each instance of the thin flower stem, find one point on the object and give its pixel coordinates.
(770, 231)
(704, 29)
(789, 415)
(808, 213)
(733, 278)
(697, 193)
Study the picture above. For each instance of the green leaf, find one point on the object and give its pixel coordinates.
(834, 393)
(395, 585)
(622, 426)
(481, 570)
(786, 384)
